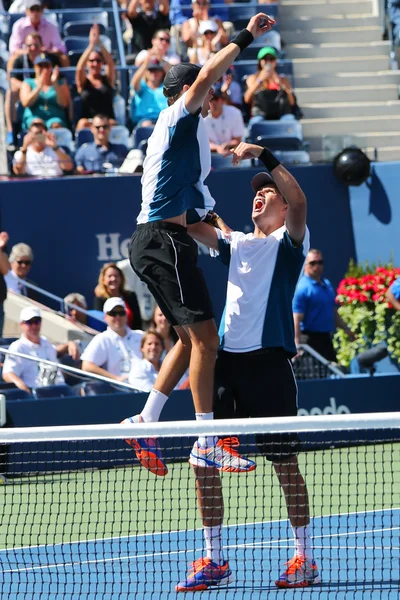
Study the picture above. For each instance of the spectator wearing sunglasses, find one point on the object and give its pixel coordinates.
(96, 89)
(98, 156)
(160, 50)
(27, 374)
(21, 259)
(314, 308)
(114, 352)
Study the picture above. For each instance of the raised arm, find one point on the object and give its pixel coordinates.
(216, 66)
(286, 183)
(133, 9)
(139, 74)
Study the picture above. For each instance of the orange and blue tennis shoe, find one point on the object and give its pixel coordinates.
(147, 450)
(299, 573)
(204, 574)
(222, 456)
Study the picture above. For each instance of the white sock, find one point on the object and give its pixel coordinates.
(213, 538)
(153, 407)
(206, 441)
(302, 541)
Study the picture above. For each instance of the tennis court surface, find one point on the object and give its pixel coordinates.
(81, 519)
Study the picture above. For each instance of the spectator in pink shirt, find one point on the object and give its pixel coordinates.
(35, 22)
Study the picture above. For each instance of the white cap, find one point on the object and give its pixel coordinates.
(208, 26)
(112, 303)
(28, 313)
(30, 3)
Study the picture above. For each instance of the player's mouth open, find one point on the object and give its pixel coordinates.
(258, 205)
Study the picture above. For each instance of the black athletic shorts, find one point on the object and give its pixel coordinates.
(164, 256)
(258, 384)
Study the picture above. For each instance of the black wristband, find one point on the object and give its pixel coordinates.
(268, 159)
(243, 39)
(211, 218)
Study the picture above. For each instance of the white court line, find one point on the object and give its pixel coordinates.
(199, 529)
(185, 551)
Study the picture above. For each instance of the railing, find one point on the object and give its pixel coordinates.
(311, 365)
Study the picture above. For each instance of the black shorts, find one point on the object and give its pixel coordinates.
(258, 384)
(164, 256)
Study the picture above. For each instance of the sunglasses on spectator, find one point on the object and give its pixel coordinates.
(32, 45)
(34, 321)
(164, 39)
(24, 262)
(98, 127)
(36, 8)
(95, 60)
(314, 263)
(117, 313)
(202, 3)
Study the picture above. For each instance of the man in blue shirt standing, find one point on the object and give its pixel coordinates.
(95, 157)
(314, 308)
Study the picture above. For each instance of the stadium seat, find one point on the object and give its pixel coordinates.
(84, 136)
(64, 138)
(15, 394)
(93, 388)
(96, 319)
(220, 162)
(85, 16)
(4, 54)
(140, 137)
(119, 106)
(3, 80)
(119, 134)
(277, 135)
(81, 28)
(75, 42)
(293, 157)
(77, 108)
(54, 391)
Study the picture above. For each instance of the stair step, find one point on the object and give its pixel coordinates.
(307, 24)
(317, 9)
(336, 34)
(351, 93)
(388, 153)
(369, 139)
(341, 79)
(350, 109)
(337, 50)
(344, 64)
(349, 125)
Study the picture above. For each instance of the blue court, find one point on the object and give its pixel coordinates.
(358, 555)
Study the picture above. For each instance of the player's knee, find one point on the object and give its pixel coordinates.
(208, 345)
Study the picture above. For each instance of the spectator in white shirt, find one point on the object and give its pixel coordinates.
(224, 124)
(28, 374)
(21, 259)
(144, 374)
(39, 154)
(114, 352)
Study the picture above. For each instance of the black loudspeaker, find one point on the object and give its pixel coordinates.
(351, 166)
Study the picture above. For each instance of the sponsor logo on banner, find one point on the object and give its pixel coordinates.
(330, 409)
(111, 247)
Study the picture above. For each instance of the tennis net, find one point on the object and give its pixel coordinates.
(80, 518)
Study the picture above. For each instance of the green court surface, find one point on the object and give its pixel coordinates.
(84, 505)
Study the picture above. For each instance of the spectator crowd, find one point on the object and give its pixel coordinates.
(64, 110)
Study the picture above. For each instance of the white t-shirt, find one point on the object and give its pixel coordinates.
(143, 376)
(40, 164)
(114, 353)
(32, 373)
(14, 284)
(228, 125)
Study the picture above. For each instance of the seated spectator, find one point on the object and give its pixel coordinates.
(164, 329)
(112, 285)
(206, 45)
(99, 155)
(394, 18)
(45, 96)
(393, 294)
(39, 155)
(4, 269)
(21, 259)
(160, 50)
(148, 97)
(224, 124)
(96, 90)
(144, 373)
(268, 95)
(114, 352)
(34, 21)
(27, 374)
(191, 35)
(73, 313)
(146, 18)
(231, 89)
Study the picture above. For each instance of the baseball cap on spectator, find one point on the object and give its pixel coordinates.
(217, 91)
(260, 180)
(112, 303)
(42, 58)
(267, 51)
(178, 76)
(208, 26)
(31, 3)
(155, 65)
(28, 313)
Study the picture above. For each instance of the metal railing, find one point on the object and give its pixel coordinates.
(311, 365)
